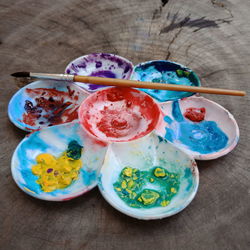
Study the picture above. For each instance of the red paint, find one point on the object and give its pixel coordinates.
(119, 114)
(195, 114)
(50, 107)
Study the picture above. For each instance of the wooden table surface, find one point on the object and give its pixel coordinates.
(212, 37)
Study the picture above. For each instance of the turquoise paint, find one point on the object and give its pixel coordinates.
(188, 177)
(131, 187)
(165, 72)
(204, 137)
(88, 177)
(176, 112)
(168, 119)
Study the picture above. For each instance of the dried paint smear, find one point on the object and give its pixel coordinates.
(194, 132)
(50, 107)
(147, 189)
(119, 114)
(58, 173)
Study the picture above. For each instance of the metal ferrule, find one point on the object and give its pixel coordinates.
(62, 77)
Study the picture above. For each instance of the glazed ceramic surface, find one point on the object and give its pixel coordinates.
(54, 141)
(201, 127)
(101, 65)
(163, 71)
(119, 114)
(143, 154)
(45, 103)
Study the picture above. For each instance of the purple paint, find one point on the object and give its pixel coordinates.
(100, 65)
(104, 73)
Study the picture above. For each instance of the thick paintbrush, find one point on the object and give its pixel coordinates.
(129, 83)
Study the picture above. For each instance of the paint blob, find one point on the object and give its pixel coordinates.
(58, 173)
(119, 114)
(196, 133)
(50, 107)
(100, 65)
(133, 187)
(165, 72)
(195, 114)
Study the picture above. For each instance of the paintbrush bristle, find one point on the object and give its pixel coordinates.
(21, 74)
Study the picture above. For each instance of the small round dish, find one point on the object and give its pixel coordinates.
(201, 127)
(140, 194)
(45, 103)
(101, 65)
(57, 163)
(162, 71)
(119, 114)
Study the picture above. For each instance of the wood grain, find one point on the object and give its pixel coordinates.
(211, 37)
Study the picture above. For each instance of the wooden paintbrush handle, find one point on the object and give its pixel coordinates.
(150, 85)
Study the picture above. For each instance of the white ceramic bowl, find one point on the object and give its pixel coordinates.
(45, 103)
(54, 140)
(200, 127)
(143, 154)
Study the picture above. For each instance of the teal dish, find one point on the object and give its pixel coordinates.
(162, 71)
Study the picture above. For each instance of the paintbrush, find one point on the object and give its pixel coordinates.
(129, 83)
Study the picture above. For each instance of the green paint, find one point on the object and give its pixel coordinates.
(183, 73)
(131, 187)
(74, 150)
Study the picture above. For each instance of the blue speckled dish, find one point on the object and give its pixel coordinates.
(214, 136)
(163, 71)
(101, 65)
(143, 154)
(54, 140)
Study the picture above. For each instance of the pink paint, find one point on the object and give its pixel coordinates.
(195, 114)
(119, 114)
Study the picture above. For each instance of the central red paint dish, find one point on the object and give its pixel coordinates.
(119, 114)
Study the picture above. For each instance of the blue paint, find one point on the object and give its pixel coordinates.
(204, 137)
(165, 72)
(176, 112)
(25, 162)
(100, 182)
(88, 177)
(168, 119)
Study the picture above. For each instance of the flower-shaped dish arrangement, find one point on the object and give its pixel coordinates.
(139, 149)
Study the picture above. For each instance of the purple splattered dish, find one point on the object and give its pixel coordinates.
(101, 65)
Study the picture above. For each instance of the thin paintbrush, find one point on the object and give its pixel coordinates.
(130, 83)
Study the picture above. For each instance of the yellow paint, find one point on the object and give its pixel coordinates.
(151, 180)
(29, 190)
(55, 173)
(149, 197)
(124, 184)
(164, 203)
(128, 172)
(159, 172)
(173, 190)
(131, 184)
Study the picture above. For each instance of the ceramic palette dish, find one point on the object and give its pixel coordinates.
(45, 103)
(119, 114)
(143, 154)
(54, 141)
(143, 175)
(163, 71)
(201, 127)
(101, 65)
